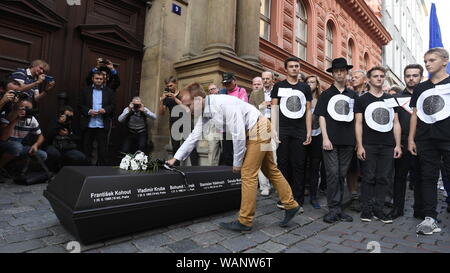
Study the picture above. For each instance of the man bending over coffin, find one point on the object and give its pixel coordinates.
(250, 132)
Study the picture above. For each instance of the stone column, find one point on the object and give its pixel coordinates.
(247, 40)
(221, 28)
(196, 27)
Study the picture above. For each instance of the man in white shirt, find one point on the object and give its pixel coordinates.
(241, 120)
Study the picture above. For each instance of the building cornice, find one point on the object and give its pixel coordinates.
(367, 20)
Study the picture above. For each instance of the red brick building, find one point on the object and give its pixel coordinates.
(318, 31)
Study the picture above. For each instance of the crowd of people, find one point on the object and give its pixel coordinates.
(289, 134)
(64, 142)
(356, 132)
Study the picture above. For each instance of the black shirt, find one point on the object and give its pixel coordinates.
(170, 103)
(440, 130)
(370, 136)
(404, 113)
(339, 132)
(295, 127)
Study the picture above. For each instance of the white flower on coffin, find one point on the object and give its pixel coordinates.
(145, 161)
(125, 163)
(144, 167)
(140, 157)
(134, 165)
(127, 157)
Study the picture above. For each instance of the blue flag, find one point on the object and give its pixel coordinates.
(435, 31)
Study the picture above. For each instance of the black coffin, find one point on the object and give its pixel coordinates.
(98, 203)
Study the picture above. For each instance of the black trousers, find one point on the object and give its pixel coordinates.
(89, 136)
(227, 154)
(313, 165)
(291, 156)
(408, 163)
(134, 142)
(337, 162)
(430, 155)
(376, 171)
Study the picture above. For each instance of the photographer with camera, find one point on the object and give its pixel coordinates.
(107, 68)
(135, 117)
(169, 99)
(9, 95)
(61, 142)
(16, 126)
(31, 78)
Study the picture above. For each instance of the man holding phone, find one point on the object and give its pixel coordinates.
(32, 78)
(105, 66)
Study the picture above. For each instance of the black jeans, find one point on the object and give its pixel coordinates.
(430, 155)
(134, 142)
(313, 162)
(291, 156)
(176, 144)
(337, 162)
(408, 163)
(89, 136)
(226, 156)
(57, 158)
(376, 171)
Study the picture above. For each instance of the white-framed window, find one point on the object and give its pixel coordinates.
(301, 34)
(329, 46)
(264, 19)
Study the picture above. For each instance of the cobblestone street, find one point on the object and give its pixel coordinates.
(28, 224)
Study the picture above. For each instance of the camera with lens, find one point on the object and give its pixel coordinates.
(167, 90)
(136, 107)
(20, 95)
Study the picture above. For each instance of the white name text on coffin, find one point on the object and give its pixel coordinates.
(292, 103)
(340, 108)
(434, 104)
(379, 115)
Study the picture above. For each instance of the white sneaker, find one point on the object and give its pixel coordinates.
(428, 227)
(265, 192)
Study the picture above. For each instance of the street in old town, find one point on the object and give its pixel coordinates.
(28, 224)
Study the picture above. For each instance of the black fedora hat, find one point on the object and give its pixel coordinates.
(339, 63)
(228, 77)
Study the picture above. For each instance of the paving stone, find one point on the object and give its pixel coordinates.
(443, 243)
(310, 247)
(328, 238)
(373, 237)
(58, 239)
(208, 238)
(335, 248)
(295, 250)
(355, 245)
(258, 236)
(157, 250)
(399, 241)
(304, 232)
(210, 249)
(22, 246)
(180, 233)
(126, 247)
(287, 239)
(406, 249)
(313, 241)
(20, 237)
(271, 247)
(435, 248)
(274, 230)
(238, 244)
(422, 239)
(266, 220)
(50, 249)
(353, 237)
(183, 246)
(203, 227)
(152, 242)
(254, 251)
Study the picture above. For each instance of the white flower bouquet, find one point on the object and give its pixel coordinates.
(138, 162)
